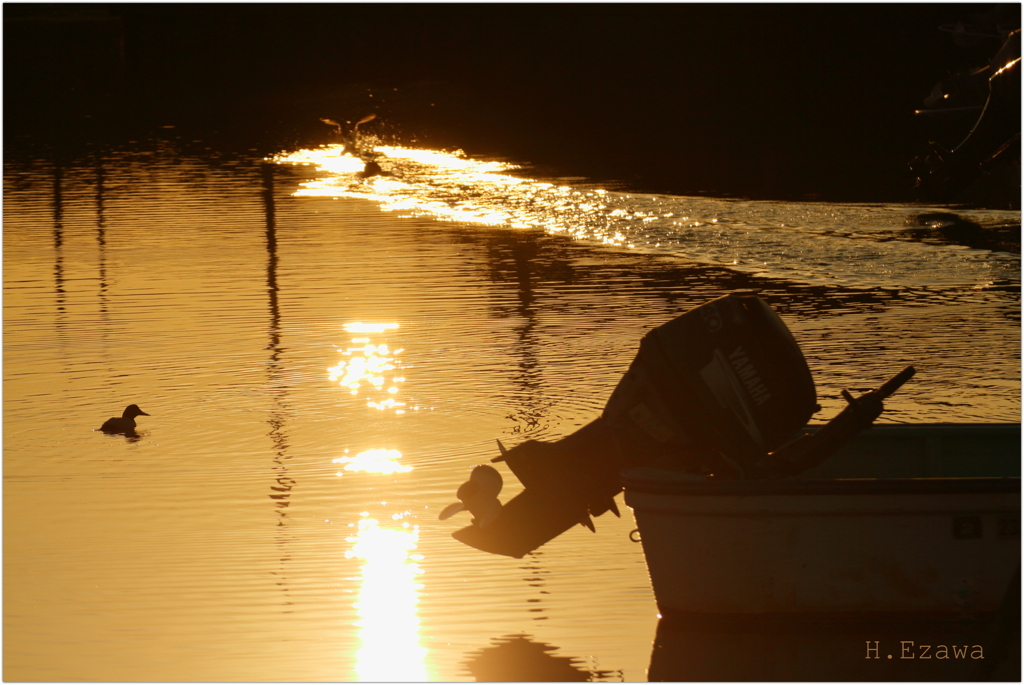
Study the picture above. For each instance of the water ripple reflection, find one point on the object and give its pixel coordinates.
(521, 658)
(852, 245)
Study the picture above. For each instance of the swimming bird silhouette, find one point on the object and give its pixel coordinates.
(479, 495)
(371, 169)
(124, 423)
(351, 145)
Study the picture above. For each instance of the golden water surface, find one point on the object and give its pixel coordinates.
(320, 376)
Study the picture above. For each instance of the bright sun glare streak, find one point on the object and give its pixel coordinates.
(474, 182)
(390, 649)
(374, 461)
(453, 187)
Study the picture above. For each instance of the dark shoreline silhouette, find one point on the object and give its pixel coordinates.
(811, 102)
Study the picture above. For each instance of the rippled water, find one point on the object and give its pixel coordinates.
(276, 516)
(851, 245)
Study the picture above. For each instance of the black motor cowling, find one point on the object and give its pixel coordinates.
(724, 380)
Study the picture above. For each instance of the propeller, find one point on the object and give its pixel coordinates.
(478, 495)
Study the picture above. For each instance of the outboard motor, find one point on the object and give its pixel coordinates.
(715, 392)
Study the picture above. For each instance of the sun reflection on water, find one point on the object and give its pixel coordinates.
(374, 461)
(851, 245)
(390, 649)
(368, 367)
(460, 188)
(359, 327)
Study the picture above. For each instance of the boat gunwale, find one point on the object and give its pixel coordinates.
(651, 480)
(656, 485)
(689, 620)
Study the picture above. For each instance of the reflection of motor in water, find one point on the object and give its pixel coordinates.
(518, 658)
(352, 145)
(721, 391)
(978, 110)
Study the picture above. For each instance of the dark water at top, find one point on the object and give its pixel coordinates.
(323, 359)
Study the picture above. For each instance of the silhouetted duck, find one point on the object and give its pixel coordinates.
(371, 168)
(125, 423)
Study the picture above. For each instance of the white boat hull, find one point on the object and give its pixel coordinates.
(844, 547)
